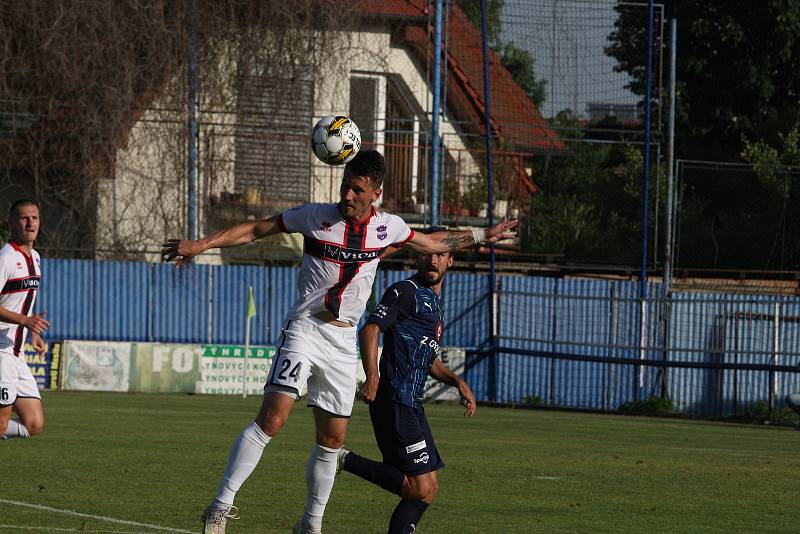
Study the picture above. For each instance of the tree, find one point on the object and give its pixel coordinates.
(519, 62)
(778, 172)
(590, 206)
(736, 70)
(80, 81)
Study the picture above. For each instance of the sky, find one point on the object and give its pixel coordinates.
(566, 39)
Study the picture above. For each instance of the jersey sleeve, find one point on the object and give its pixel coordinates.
(401, 233)
(5, 272)
(397, 303)
(298, 219)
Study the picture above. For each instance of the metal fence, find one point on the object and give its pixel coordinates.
(590, 344)
(596, 345)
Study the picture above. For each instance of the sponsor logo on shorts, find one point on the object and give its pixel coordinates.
(416, 446)
(423, 458)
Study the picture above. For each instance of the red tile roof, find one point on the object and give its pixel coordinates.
(515, 119)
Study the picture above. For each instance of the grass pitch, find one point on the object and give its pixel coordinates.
(118, 463)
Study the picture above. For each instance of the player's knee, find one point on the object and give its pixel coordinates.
(34, 427)
(420, 489)
(271, 421)
(333, 440)
(271, 424)
(433, 491)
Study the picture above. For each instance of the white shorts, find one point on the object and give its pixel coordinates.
(322, 356)
(16, 379)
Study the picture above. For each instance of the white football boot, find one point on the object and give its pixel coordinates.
(215, 519)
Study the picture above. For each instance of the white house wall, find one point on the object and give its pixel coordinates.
(146, 201)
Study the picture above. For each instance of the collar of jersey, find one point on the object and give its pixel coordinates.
(365, 220)
(16, 247)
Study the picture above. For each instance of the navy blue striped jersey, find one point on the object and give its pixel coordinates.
(411, 319)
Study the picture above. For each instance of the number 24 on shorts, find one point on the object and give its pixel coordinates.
(284, 370)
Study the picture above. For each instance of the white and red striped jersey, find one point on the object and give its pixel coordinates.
(19, 279)
(340, 257)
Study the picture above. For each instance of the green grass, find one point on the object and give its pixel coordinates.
(157, 460)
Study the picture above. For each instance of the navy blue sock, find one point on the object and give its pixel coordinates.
(384, 475)
(406, 516)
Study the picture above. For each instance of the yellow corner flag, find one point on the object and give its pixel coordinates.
(251, 304)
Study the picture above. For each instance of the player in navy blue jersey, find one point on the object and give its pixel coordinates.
(411, 319)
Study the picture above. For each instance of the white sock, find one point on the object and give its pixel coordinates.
(16, 430)
(320, 472)
(242, 461)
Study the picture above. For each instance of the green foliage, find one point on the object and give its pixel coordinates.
(773, 165)
(778, 173)
(760, 413)
(519, 63)
(532, 400)
(472, 9)
(736, 70)
(654, 406)
(591, 201)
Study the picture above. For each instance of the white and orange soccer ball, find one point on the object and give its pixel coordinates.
(335, 140)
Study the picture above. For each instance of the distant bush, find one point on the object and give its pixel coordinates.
(759, 413)
(532, 400)
(653, 406)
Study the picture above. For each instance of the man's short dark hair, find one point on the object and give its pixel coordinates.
(21, 203)
(369, 163)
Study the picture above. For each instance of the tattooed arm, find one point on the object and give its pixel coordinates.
(451, 240)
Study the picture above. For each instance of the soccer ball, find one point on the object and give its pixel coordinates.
(335, 140)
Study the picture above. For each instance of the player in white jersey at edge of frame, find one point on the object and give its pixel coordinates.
(20, 274)
(343, 244)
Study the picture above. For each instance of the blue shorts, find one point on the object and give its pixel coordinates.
(404, 437)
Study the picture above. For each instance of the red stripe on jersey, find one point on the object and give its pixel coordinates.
(19, 335)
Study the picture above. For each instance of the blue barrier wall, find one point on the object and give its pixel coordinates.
(116, 301)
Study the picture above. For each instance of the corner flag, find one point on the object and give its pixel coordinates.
(251, 312)
(251, 304)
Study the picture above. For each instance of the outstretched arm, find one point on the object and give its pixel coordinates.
(182, 251)
(36, 323)
(452, 240)
(369, 359)
(446, 376)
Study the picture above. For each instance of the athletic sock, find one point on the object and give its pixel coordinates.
(406, 516)
(242, 461)
(386, 476)
(15, 430)
(320, 473)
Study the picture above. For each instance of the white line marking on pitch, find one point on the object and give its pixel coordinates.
(58, 529)
(547, 478)
(99, 517)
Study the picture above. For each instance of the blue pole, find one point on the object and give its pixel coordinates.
(492, 390)
(437, 91)
(192, 120)
(645, 195)
(646, 172)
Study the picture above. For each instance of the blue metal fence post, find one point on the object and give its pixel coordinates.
(492, 391)
(192, 121)
(437, 94)
(646, 182)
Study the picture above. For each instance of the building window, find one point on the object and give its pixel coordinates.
(271, 135)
